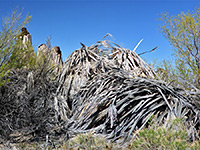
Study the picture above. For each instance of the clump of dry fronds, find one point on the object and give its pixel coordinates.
(117, 103)
(85, 63)
(103, 88)
(112, 91)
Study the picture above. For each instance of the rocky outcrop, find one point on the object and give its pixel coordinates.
(43, 50)
(54, 56)
(45, 54)
(25, 36)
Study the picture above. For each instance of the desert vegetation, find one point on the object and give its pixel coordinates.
(103, 97)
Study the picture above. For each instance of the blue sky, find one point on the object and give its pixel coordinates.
(87, 21)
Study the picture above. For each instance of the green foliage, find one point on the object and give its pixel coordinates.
(3, 72)
(10, 51)
(88, 141)
(173, 137)
(22, 56)
(183, 32)
(10, 30)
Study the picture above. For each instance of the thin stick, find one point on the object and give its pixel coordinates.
(137, 45)
(148, 51)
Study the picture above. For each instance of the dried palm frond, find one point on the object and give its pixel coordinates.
(130, 61)
(80, 67)
(137, 45)
(85, 63)
(117, 103)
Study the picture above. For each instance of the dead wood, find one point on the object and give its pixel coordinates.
(26, 105)
(102, 88)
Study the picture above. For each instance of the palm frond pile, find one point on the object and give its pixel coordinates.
(103, 89)
(85, 63)
(117, 103)
(112, 91)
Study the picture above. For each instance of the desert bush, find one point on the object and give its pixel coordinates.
(182, 31)
(9, 46)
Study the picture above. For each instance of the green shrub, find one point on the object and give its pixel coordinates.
(171, 138)
(9, 45)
